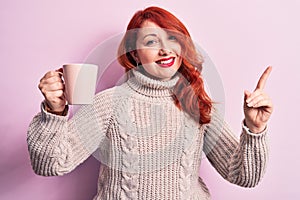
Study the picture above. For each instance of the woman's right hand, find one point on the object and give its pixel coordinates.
(52, 87)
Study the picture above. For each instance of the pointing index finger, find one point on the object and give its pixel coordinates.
(263, 79)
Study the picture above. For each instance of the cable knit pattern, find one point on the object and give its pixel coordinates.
(148, 148)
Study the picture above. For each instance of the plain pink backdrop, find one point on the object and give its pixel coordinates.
(241, 37)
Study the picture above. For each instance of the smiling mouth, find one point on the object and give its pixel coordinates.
(166, 62)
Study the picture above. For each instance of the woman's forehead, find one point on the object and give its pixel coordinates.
(149, 24)
(149, 27)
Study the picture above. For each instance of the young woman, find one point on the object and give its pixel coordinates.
(150, 131)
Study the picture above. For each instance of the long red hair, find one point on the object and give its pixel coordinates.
(189, 93)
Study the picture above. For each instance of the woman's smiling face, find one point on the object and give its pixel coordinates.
(158, 51)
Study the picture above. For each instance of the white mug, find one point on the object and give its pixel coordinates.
(80, 82)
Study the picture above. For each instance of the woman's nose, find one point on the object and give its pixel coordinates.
(164, 52)
(164, 49)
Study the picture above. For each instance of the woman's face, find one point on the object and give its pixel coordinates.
(158, 51)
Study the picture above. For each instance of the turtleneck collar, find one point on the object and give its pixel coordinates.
(150, 87)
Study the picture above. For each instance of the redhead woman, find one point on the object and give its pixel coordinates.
(150, 132)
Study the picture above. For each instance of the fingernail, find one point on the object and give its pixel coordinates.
(249, 105)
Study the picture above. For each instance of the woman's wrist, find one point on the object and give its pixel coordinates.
(253, 128)
(49, 110)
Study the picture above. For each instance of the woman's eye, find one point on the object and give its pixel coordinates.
(172, 37)
(151, 42)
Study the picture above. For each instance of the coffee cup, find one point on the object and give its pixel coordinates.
(80, 82)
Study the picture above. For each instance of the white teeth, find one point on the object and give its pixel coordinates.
(166, 61)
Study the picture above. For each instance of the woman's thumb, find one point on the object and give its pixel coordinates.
(246, 94)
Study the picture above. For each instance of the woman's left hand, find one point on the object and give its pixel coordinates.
(258, 106)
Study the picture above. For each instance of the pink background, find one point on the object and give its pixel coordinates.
(241, 37)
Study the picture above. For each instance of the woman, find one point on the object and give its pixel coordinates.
(151, 130)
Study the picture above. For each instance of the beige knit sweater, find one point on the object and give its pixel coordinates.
(148, 148)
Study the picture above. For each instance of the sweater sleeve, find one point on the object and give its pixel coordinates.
(240, 161)
(57, 145)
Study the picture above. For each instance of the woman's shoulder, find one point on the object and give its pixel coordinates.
(216, 117)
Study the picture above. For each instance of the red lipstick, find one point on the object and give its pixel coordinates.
(166, 62)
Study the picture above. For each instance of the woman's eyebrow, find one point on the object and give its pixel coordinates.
(150, 34)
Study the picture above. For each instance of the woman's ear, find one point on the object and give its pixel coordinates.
(134, 55)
